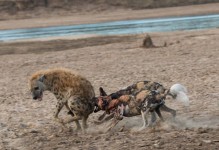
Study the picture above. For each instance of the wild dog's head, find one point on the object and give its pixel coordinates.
(37, 87)
(110, 102)
(102, 101)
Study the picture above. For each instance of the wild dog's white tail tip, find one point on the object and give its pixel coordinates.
(179, 93)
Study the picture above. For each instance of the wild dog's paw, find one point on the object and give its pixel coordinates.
(98, 122)
(142, 128)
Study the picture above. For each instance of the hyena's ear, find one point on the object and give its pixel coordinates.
(102, 92)
(42, 78)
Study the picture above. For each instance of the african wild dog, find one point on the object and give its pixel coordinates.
(70, 89)
(131, 105)
(176, 91)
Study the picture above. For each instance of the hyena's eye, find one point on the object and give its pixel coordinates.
(36, 88)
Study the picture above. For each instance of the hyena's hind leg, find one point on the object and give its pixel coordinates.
(72, 114)
(81, 109)
(75, 105)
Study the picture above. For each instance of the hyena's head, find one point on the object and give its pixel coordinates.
(37, 87)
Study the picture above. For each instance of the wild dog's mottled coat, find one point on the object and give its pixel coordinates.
(139, 90)
(129, 105)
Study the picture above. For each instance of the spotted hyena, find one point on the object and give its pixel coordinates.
(70, 89)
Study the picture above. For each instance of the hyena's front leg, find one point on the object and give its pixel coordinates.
(59, 106)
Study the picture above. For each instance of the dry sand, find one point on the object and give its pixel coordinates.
(190, 58)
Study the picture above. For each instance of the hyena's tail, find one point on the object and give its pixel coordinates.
(179, 93)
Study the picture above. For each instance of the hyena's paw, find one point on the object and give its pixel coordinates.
(59, 120)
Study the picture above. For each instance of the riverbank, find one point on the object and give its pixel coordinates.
(108, 15)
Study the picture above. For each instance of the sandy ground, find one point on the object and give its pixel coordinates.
(190, 58)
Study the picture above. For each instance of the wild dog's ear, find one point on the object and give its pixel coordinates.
(42, 78)
(102, 92)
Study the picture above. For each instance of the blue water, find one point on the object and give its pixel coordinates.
(115, 27)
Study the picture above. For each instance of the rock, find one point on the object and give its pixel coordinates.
(157, 145)
(201, 130)
(97, 138)
(207, 141)
(200, 144)
(161, 142)
(23, 125)
(2, 125)
(34, 131)
(179, 146)
(77, 141)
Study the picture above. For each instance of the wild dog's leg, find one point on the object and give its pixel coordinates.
(157, 110)
(102, 116)
(113, 124)
(144, 118)
(105, 119)
(109, 117)
(167, 109)
(153, 119)
(120, 111)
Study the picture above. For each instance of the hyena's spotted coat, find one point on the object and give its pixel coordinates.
(71, 90)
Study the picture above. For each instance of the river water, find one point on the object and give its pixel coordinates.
(115, 27)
